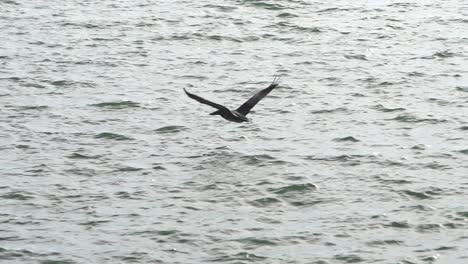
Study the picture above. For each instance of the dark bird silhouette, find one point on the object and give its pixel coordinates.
(238, 115)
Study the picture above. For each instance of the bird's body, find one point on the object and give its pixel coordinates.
(238, 115)
(232, 115)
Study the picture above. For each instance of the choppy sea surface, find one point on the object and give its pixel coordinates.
(359, 156)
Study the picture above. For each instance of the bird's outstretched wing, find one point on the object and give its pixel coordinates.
(245, 107)
(204, 101)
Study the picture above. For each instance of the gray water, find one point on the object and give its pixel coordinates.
(359, 156)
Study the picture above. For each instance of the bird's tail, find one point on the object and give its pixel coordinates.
(217, 112)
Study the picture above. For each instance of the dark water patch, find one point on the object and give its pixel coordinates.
(17, 195)
(38, 107)
(11, 238)
(82, 172)
(238, 258)
(463, 214)
(439, 55)
(419, 147)
(407, 118)
(81, 156)
(9, 254)
(346, 139)
(386, 83)
(265, 202)
(418, 207)
(13, 78)
(464, 128)
(356, 57)
(61, 83)
(304, 202)
(393, 181)
(170, 129)
(158, 167)
(349, 258)
(117, 104)
(113, 136)
(166, 232)
(129, 169)
(434, 165)
(416, 74)
(328, 111)
(305, 187)
(83, 25)
(95, 223)
(222, 8)
(399, 224)
(254, 242)
(257, 159)
(264, 5)
(381, 108)
(428, 227)
(444, 248)
(444, 54)
(220, 37)
(350, 160)
(462, 88)
(10, 2)
(49, 261)
(196, 77)
(385, 242)
(418, 195)
(290, 26)
(464, 151)
(287, 15)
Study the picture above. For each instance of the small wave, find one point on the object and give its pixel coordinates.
(346, 139)
(287, 15)
(464, 151)
(328, 111)
(159, 167)
(463, 214)
(264, 5)
(419, 195)
(349, 258)
(61, 83)
(444, 54)
(108, 135)
(129, 169)
(117, 104)
(399, 224)
(385, 242)
(428, 227)
(17, 196)
(254, 241)
(290, 26)
(305, 187)
(238, 258)
(356, 57)
(222, 8)
(407, 118)
(381, 108)
(94, 223)
(264, 202)
(81, 156)
(38, 107)
(170, 129)
(462, 88)
(440, 55)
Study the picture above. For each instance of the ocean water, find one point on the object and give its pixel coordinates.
(359, 156)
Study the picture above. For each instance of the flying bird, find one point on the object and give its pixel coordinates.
(238, 115)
